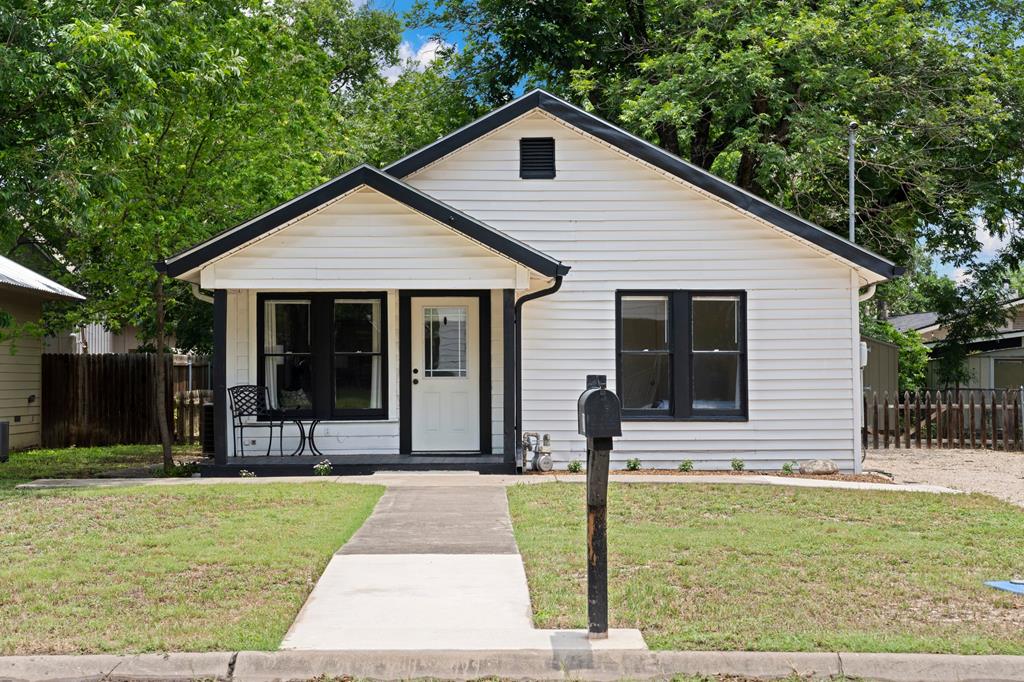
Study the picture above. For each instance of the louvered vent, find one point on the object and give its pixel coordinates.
(537, 157)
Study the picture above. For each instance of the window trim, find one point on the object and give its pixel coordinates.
(321, 349)
(680, 325)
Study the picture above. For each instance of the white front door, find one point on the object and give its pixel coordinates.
(445, 374)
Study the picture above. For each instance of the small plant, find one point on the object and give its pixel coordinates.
(789, 468)
(181, 470)
(737, 464)
(323, 468)
(245, 473)
(575, 466)
(633, 464)
(686, 465)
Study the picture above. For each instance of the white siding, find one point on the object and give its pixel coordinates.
(622, 225)
(21, 374)
(363, 241)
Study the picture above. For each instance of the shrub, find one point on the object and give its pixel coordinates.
(686, 465)
(737, 464)
(245, 473)
(788, 468)
(181, 470)
(633, 464)
(575, 466)
(323, 468)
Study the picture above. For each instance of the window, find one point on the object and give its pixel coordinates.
(537, 158)
(681, 354)
(323, 355)
(1008, 374)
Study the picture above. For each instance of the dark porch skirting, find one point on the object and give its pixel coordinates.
(357, 465)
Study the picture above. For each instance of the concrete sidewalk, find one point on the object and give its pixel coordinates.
(451, 479)
(295, 666)
(433, 568)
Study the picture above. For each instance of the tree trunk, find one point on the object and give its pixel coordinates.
(161, 375)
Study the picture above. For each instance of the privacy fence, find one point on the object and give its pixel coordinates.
(110, 399)
(960, 418)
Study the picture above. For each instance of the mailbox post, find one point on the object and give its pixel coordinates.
(600, 420)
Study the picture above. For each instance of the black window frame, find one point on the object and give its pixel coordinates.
(680, 327)
(322, 352)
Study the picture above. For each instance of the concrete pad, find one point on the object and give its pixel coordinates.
(172, 667)
(437, 520)
(429, 602)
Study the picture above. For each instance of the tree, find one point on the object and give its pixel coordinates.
(760, 92)
(236, 120)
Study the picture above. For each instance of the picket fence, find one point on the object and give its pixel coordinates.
(954, 418)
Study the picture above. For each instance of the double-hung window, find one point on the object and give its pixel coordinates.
(324, 355)
(681, 354)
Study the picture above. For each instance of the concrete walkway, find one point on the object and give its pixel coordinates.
(431, 479)
(435, 567)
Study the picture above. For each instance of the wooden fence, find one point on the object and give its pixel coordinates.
(188, 409)
(962, 418)
(110, 399)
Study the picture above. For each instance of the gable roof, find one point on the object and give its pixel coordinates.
(654, 155)
(914, 321)
(387, 185)
(17, 277)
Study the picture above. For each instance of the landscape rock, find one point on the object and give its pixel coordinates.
(819, 466)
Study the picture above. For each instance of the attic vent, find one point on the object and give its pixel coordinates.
(537, 157)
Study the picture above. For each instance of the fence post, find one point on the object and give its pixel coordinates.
(928, 417)
(972, 419)
(995, 422)
(906, 419)
(917, 418)
(885, 410)
(874, 409)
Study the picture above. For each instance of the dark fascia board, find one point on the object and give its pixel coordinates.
(657, 157)
(385, 184)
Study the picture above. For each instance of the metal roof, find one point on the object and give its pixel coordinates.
(913, 321)
(16, 276)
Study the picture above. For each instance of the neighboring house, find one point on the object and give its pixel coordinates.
(459, 298)
(93, 339)
(22, 295)
(996, 362)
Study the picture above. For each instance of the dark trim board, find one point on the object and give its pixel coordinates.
(356, 465)
(657, 157)
(405, 362)
(387, 185)
(220, 375)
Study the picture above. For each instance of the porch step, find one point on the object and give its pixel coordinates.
(358, 465)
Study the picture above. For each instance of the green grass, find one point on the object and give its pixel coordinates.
(776, 568)
(75, 462)
(179, 568)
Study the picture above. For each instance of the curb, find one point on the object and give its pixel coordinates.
(599, 666)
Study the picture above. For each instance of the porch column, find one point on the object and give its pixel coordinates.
(220, 376)
(508, 330)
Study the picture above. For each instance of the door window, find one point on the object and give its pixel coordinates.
(444, 341)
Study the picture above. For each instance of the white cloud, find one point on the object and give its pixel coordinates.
(961, 276)
(416, 59)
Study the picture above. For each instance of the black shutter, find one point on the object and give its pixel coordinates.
(537, 158)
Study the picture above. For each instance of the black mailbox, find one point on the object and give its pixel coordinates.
(600, 420)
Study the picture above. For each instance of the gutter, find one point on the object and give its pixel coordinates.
(518, 317)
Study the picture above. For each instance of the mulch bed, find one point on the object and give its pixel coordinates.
(861, 478)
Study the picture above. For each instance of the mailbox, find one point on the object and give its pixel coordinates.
(600, 420)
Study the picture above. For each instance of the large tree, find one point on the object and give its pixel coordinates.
(228, 109)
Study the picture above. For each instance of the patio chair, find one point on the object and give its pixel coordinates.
(250, 409)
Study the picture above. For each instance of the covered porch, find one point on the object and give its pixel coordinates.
(375, 314)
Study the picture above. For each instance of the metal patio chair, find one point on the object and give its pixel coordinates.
(250, 409)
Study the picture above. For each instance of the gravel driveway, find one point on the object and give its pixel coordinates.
(998, 473)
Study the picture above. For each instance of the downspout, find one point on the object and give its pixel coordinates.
(519, 355)
(860, 298)
(198, 293)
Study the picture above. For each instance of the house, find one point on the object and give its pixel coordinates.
(22, 295)
(996, 362)
(457, 299)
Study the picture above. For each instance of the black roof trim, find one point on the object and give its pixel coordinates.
(613, 135)
(388, 185)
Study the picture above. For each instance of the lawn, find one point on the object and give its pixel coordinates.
(213, 567)
(778, 568)
(75, 462)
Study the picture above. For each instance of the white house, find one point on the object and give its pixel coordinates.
(458, 298)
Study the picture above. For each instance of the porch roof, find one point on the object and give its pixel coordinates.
(196, 257)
